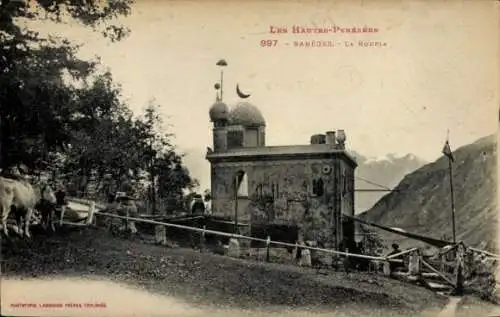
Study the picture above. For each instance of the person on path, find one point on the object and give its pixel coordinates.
(394, 266)
(61, 202)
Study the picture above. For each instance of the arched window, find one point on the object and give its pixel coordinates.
(318, 187)
(241, 180)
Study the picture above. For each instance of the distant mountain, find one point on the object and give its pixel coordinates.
(387, 171)
(423, 204)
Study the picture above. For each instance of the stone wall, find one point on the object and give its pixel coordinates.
(281, 192)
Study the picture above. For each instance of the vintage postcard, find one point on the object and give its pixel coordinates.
(249, 158)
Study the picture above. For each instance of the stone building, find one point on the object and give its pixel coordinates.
(307, 186)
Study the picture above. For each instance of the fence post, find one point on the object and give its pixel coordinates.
(234, 248)
(386, 267)
(347, 265)
(443, 260)
(268, 244)
(414, 263)
(63, 210)
(459, 270)
(294, 253)
(90, 216)
(202, 239)
(160, 234)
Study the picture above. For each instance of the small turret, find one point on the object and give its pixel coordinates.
(219, 113)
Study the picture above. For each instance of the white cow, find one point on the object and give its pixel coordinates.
(18, 196)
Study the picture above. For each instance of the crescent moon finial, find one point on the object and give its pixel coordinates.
(240, 93)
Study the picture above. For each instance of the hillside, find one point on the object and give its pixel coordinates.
(423, 204)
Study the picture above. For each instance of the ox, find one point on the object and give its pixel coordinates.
(22, 198)
(17, 196)
(46, 205)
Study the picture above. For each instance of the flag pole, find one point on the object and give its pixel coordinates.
(449, 154)
(236, 179)
(452, 200)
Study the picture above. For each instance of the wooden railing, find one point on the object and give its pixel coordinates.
(268, 241)
(451, 273)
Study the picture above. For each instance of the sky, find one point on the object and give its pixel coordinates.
(438, 71)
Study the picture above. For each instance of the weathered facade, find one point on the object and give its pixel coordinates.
(309, 186)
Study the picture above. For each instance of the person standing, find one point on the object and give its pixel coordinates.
(197, 205)
(394, 266)
(61, 202)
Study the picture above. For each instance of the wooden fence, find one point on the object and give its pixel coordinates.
(268, 241)
(417, 268)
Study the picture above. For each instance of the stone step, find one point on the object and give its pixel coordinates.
(433, 280)
(439, 287)
(429, 274)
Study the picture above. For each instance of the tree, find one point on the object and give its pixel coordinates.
(173, 180)
(104, 138)
(52, 102)
(168, 175)
(37, 104)
(373, 244)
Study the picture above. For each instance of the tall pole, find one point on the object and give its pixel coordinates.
(236, 204)
(153, 193)
(152, 175)
(452, 200)
(449, 154)
(336, 226)
(221, 63)
(1, 153)
(221, 85)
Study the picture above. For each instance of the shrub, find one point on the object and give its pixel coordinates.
(480, 277)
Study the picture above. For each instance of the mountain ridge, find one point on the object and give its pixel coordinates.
(422, 202)
(379, 174)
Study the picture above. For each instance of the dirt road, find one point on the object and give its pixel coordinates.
(208, 279)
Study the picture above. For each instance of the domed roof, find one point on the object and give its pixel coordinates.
(246, 114)
(219, 111)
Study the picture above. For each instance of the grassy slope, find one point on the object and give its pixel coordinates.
(209, 278)
(424, 205)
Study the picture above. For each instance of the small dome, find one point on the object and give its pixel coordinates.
(246, 114)
(219, 111)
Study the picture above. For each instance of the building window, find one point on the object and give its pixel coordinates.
(318, 187)
(234, 139)
(251, 137)
(241, 184)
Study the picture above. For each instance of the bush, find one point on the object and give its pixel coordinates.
(480, 277)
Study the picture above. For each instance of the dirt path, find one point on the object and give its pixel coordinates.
(468, 306)
(451, 308)
(473, 306)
